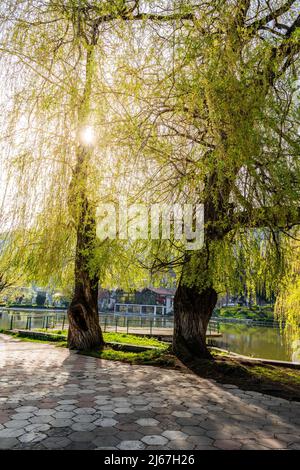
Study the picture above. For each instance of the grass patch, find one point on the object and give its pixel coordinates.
(255, 312)
(134, 339)
(122, 338)
(153, 357)
(217, 354)
(274, 380)
(62, 344)
(277, 374)
(53, 332)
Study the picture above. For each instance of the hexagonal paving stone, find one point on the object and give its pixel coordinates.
(9, 432)
(200, 440)
(56, 442)
(16, 424)
(22, 416)
(252, 445)
(218, 434)
(193, 421)
(32, 437)
(209, 425)
(131, 445)
(174, 435)
(294, 446)
(45, 412)
(198, 411)
(107, 407)
(99, 431)
(80, 446)
(85, 391)
(106, 442)
(83, 426)
(63, 415)
(63, 408)
(84, 418)
(286, 437)
(273, 443)
(127, 426)
(147, 422)
(129, 435)
(106, 422)
(182, 414)
(8, 443)
(227, 444)
(180, 444)
(154, 440)
(123, 410)
(81, 436)
(59, 432)
(37, 427)
(41, 419)
(84, 411)
(108, 414)
(194, 430)
(67, 402)
(60, 423)
(26, 409)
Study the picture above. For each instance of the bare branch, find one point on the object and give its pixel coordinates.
(285, 54)
(272, 16)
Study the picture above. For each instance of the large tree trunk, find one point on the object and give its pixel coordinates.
(194, 302)
(195, 297)
(84, 329)
(192, 312)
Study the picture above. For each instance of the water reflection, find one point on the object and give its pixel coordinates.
(256, 341)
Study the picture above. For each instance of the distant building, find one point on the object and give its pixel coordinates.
(149, 301)
(159, 296)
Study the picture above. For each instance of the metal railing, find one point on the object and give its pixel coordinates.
(158, 325)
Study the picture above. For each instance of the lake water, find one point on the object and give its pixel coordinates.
(255, 341)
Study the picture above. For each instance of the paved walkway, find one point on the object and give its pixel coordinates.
(53, 399)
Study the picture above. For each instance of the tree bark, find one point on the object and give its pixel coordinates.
(192, 312)
(84, 328)
(195, 297)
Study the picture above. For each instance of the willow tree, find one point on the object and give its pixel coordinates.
(288, 300)
(245, 115)
(53, 53)
(219, 112)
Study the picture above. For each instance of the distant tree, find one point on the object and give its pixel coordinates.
(40, 298)
(287, 307)
(5, 283)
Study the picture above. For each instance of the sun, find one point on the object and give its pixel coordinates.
(87, 136)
